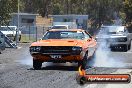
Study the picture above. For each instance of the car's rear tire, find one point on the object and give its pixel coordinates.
(37, 64)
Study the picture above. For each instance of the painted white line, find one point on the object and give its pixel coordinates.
(91, 86)
(119, 85)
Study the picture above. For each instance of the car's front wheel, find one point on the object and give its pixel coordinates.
(83, 63)
(129, 46)
(125, 48)
(81, 80)
(37, 64)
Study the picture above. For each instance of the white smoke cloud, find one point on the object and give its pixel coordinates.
(104, 57)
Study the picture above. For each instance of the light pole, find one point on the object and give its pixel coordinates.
(17, 31)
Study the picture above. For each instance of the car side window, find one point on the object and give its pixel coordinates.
(87, 35)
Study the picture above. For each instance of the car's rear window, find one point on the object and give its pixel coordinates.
(59, 27)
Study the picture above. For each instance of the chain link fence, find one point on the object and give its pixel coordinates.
(32, 33)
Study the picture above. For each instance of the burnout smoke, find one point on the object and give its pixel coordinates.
(25, 60)
(103, 56)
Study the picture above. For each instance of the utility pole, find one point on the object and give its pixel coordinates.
(17, 30)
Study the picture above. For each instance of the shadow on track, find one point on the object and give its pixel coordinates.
(63, 68)
(58, 67)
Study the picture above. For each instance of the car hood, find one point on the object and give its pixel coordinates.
(111, 36)
(59, 42)
(117, 35)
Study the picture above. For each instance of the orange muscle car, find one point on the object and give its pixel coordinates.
(69, 45)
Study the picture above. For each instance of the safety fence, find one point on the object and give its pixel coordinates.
(32, 33)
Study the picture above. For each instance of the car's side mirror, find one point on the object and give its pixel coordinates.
(40, 39)
(89, 39)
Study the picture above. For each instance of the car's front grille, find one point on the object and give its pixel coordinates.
(56, 49)
(118, 39)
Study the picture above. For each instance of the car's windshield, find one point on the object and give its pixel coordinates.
(111, 30)
(63, 35)
(59, 27)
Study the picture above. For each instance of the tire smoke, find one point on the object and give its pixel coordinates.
(103, 55)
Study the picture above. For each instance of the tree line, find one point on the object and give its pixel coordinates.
(100, 12)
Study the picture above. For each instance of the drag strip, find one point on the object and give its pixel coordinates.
(16, 71)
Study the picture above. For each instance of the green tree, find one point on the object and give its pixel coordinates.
(99, 11)
(6, 8)
(27, 6)
(128, 12)
(103, 11)
(42, 6)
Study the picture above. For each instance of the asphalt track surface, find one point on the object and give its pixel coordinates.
(16, 70)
